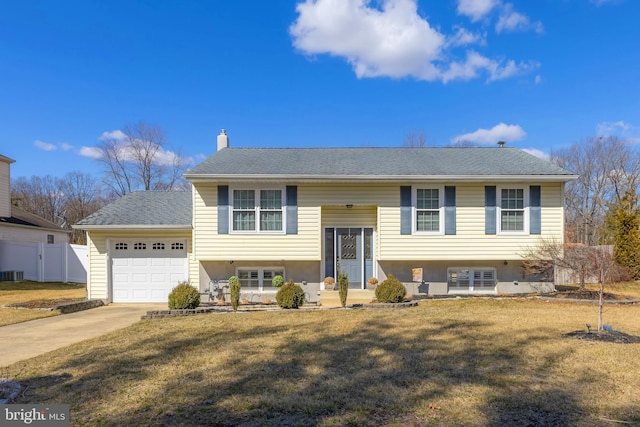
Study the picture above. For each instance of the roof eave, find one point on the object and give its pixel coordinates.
(131, 227)
(377, 178)
(36, 227)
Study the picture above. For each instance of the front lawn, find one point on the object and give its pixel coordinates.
(473, 362)
(34, 295)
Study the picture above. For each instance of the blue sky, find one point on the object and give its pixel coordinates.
(539, 74)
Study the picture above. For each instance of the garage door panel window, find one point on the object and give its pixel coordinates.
(158, 247)
(177, 246)
(121, 246)
(139, 246)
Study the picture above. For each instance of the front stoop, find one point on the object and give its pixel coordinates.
(330, 299)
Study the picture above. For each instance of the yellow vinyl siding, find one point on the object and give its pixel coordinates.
(376, 206)
(470, 241)
(211, 246)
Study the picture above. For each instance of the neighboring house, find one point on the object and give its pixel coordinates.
(461, 215)
(32, 247)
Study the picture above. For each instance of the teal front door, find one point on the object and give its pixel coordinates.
(350, 255)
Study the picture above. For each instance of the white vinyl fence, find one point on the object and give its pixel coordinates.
(42, 262)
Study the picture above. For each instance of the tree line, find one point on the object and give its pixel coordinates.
(136, 158)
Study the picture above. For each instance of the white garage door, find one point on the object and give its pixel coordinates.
(145, 270)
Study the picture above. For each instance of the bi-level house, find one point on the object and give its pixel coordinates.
(442, 220)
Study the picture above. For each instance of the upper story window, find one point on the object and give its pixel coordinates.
(428, 209)
(512, 210)
(428, 203)
(257, 211)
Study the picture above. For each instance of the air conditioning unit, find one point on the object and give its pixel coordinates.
(11, 276)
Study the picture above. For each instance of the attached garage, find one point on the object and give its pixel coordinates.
(146, 270)
(140, 247)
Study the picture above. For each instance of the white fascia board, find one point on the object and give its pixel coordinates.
(35, 227)
(132, 227)
(378, 178)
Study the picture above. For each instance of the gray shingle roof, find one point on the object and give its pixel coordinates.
(374, 162)
(145, 208)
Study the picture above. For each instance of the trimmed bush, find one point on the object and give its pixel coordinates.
(184, 296)
(391, 290)
(277, 281)
(343, 287)
(234, 288)
(290, 295)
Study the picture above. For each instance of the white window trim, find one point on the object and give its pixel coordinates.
(525, 194)
(414, 209)
(471, 288)
(261, 287)
(257, 189)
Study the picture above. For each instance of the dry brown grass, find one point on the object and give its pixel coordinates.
(457, 362)
(22, 292)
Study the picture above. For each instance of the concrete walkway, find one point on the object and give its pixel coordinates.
(25, 340)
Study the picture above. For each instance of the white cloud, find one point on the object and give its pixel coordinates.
(114, 134)
(91, 152)
(476, 63)
(510, 21)
(463, 37)
(65, 146)
(392, 41)
(538, 79)
(537, 153)
(500, 132)
(44, 145)
(620, 129)
(476, 9)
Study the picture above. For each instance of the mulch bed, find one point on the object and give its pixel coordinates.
(605, 336)
(44, 304)
(587, 295)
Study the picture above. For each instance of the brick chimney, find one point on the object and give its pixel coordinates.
(223, 140)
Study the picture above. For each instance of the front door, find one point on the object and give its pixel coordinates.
(349, 257)
(349, 250)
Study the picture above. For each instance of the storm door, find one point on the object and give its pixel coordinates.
(349, 250)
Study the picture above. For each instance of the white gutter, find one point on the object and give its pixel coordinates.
(378, 178)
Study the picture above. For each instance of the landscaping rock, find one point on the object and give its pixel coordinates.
(9, 390)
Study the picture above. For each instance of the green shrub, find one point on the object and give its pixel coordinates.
(234, 288)
(277, 281)
(290, 295)
(391, 290)
(343, 287)
(184, 296)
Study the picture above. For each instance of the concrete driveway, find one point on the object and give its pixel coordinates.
(29, 339)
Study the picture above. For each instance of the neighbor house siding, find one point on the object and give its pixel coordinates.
(98, 241)
(211, 246)
(5, 190)
(470, 241)
(31, 234)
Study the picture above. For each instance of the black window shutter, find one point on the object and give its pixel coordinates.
(450, 210)
(535, 214)
(223, 209)
(405, 209)
(292, 209)
(490, 209)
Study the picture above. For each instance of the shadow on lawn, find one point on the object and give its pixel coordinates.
(378, 374)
